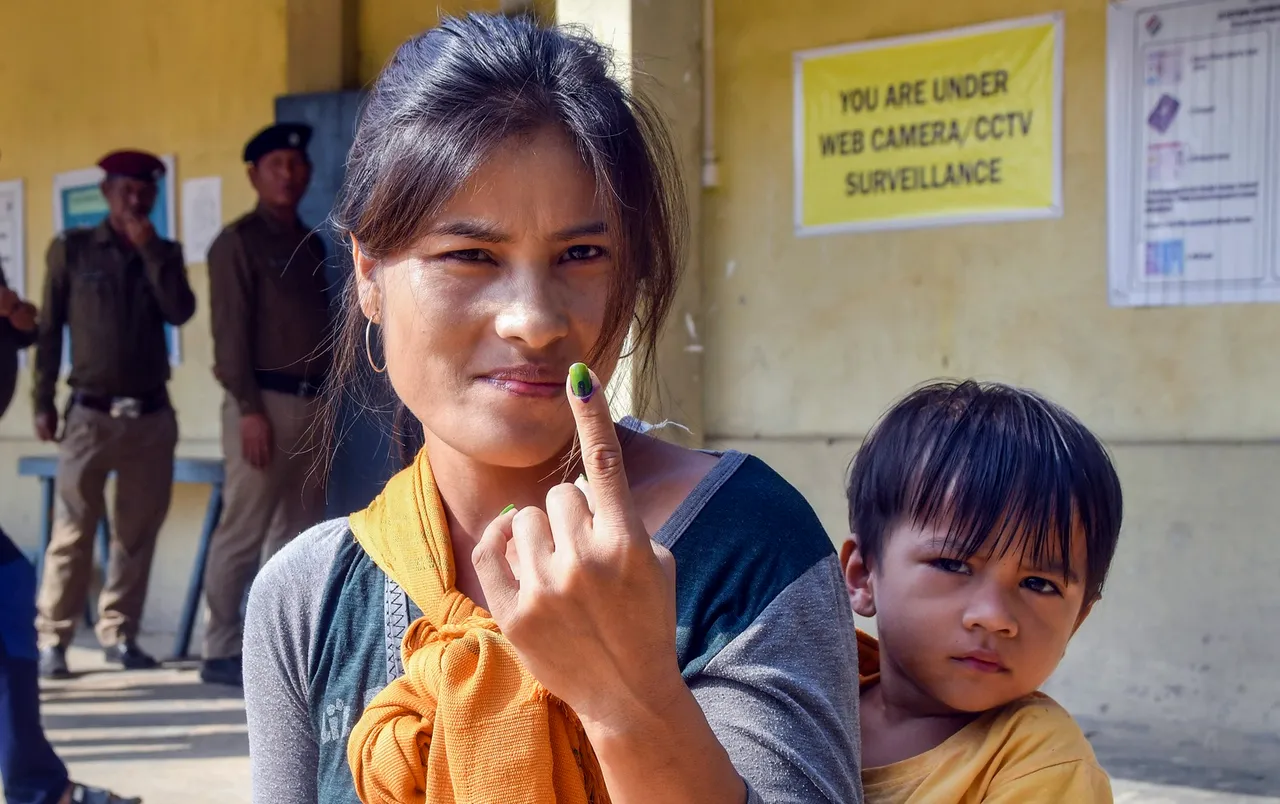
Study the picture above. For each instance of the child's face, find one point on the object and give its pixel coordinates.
(969, 634)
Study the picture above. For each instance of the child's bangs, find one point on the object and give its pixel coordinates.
(1014, 506)
(1001, 473)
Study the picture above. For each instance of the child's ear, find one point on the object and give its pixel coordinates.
(1084, 613)
(857, 578)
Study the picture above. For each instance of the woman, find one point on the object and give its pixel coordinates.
(512, 211)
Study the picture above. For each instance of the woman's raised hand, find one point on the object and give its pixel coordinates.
(593, 615)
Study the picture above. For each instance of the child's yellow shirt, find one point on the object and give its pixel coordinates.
(1028, 751)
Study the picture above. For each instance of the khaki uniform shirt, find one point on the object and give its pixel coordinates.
(270, 308)
(116, 300)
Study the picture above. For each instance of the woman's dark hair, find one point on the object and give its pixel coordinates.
(999, 468)
(446, 100)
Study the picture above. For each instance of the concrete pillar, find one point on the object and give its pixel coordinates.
(658, 46)
(320, 45)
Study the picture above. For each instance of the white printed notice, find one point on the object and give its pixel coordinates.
(1192, 184)
(201, 216)
(13, 257)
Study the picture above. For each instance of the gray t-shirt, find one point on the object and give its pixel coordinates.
(765, 640)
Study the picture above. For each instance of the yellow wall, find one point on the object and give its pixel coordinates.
(385, 24)
(808, 340)
(882, 311)
(190, 79)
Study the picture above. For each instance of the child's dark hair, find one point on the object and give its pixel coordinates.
(996, 466)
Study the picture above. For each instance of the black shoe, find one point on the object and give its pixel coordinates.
(229, 671)
(81, 794)
(53, 663)
(131, 656)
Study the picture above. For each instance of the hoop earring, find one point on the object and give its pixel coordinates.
(368, 347)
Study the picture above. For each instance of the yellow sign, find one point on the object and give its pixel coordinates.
(956, 127)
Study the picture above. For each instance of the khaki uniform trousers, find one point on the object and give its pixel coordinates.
(263, 510)
(140, 452)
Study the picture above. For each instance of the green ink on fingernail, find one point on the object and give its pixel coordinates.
(511, 507)
(580, 381)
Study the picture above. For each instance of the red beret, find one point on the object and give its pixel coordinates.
(133, 165)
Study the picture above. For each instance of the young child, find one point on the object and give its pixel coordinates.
(984, 520)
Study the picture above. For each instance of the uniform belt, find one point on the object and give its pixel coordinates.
(123, 407)
(283, 383)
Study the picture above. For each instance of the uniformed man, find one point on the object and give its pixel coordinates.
(115, 286)
(270, 327)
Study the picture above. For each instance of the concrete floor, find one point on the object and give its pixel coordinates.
(168, 738)
(161, 735)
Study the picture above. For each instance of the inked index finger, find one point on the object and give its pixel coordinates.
(601, 450)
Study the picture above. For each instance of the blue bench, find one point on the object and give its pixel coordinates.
(185, 470)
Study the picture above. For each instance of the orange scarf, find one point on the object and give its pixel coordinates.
(466, 723)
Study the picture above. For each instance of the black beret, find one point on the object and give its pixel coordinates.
(277, 137)
(132, 165)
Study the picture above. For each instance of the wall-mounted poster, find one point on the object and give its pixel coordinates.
(201, 217)
(13, 256)
(78, 201)
(1192, 184)
(13, 249)
(954, 127)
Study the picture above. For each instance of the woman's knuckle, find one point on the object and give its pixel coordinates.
(561, 495)
(602, 460)
(526, 521)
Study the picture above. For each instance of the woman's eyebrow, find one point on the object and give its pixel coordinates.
(470, 229)
(581, 230)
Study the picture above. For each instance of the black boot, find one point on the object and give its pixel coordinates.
(131, 656)
(53, 662)
(81, 794)
(229, 671)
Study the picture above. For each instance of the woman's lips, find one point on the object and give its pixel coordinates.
(525, 388)
(528, 380)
